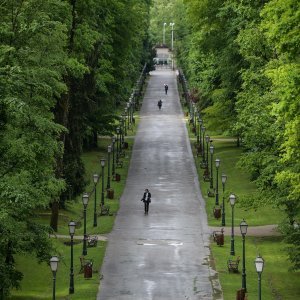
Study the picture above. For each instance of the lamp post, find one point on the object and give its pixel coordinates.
(53, 265)
(217, 180)
(203, 149)
(108, 166)
(85, 200)
(164, 34)
(232, 203)
(95, 180)
(207, 139)
(172, 43)
(259, 265)
(113, 139)
(102, 162)
(211, 150)
(243, 228)
(124, 121)
(224, 178)
(72, 226)
(128, 114)
(172, 35)
(118, 144)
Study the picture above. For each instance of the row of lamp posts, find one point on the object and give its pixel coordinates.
(199, 130)
(116, 150)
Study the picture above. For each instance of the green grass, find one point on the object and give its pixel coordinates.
(37, 282)
(238, 182)
(277, 281)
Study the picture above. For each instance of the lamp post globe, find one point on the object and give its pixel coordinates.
(217, 161)
(243, 228)
(109, 149)
(53, 265)
(224, 179)
(102, 163)
(232, 199)
(95, 180)
(113, 140)
(72, 226)
(203, 149)
(85, 200)
(211, 150)
(207, 139)
(259, 265)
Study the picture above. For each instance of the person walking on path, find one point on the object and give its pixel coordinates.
(166, 88)
(159, 104)
(146, 199)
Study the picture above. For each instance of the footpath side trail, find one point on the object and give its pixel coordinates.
(165, 254)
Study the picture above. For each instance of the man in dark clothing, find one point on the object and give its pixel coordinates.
(146, 199)
(159, 104)
(166, 89)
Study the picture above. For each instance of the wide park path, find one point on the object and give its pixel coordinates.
(165, 254)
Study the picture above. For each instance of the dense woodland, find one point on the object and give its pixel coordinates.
(242, 62)
(65, 66)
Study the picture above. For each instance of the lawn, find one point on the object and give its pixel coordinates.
(277, 281)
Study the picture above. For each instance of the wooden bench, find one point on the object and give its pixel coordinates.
(233, 265)
(119, 164)
(92, 241)
(104, 210)
(84, 261)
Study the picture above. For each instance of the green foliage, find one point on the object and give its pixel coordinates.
(242, 58)
(63, 64)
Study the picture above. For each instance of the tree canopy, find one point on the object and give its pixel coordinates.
(242, 62)
(64, 66)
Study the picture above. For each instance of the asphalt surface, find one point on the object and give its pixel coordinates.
(165, 254)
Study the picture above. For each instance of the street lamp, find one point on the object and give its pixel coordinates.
(224, 178)
(172, 43)
(172, 36)
(164, 34)
(259, 265)
(211, 150)
(95, 180)
(53, 265)
(118, 144)
(113, 139)
(102, 162)
(124, 116)
(85, 200)
(108, 166)
(128, 114)
(207, 139)
(243, 228)
(203, 149)
(72, 226)
(232, 203)
(217, 180)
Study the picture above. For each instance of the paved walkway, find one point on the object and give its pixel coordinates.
(163, 255)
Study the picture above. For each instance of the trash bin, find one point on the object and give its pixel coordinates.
(88, 270)
(220, 239)
(110, 193)
(240, 294)
(217, 212)
(117, 177)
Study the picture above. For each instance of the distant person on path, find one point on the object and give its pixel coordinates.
(166, 88)
(159, 104)
(146, 199)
